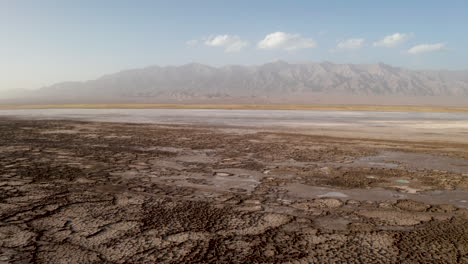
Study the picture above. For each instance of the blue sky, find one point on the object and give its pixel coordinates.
(48, 41)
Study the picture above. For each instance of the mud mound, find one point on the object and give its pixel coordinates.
(46, 172)
(364, 177)
(410, 205)
(170, 216)
(352, 179)
(438, 242)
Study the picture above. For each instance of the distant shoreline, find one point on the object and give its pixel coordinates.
(245, 107)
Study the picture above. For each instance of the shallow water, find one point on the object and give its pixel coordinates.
(454, 197)
(415, 161)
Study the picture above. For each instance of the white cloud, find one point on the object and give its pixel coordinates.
(350, 44)
(393, 40)
(423, 48)
(230, 43)
(286, 41)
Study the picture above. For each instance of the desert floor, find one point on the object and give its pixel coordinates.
(107, 192)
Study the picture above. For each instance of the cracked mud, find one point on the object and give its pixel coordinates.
(84, 192)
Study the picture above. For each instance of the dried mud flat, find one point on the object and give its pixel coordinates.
(84, 192)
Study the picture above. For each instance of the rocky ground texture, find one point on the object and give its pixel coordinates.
(83, 192)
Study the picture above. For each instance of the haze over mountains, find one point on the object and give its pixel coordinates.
(276, 82)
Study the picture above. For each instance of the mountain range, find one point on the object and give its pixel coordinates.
(276, 82)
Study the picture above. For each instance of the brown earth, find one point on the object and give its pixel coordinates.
(82, 192)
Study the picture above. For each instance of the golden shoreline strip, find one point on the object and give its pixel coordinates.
(246, 107)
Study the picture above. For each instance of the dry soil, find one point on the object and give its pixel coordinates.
(90, 192)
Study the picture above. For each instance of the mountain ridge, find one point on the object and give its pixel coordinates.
(270, 80)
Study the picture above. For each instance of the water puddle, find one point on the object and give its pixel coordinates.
(453, 197)
(225, 180)
(402, 181)
(415, 161)
(333, 195)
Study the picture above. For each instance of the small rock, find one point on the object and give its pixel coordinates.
(250, 208)
(222, 174)
(353, 202)
(269, 253)
(252, 202)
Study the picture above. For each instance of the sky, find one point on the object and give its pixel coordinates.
(43, 42)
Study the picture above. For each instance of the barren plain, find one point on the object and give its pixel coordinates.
(135, 191)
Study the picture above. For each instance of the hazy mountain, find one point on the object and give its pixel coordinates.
(271, 80)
